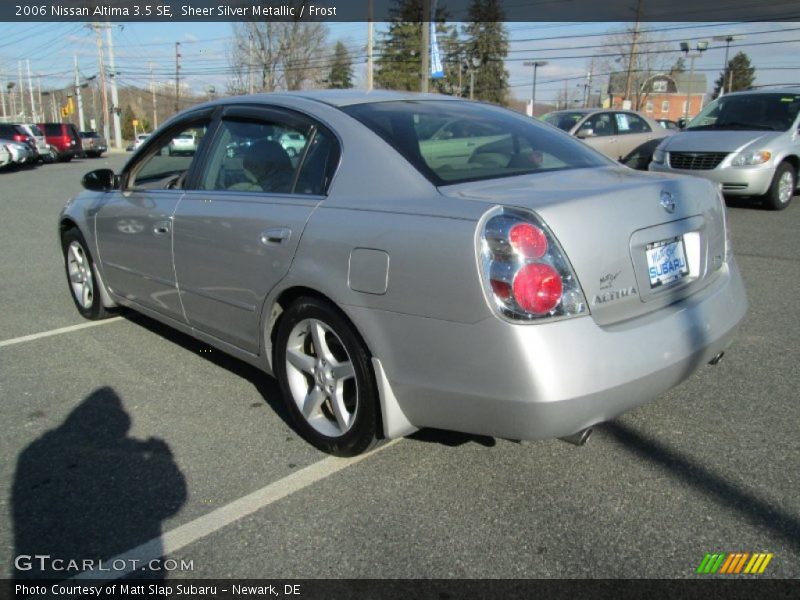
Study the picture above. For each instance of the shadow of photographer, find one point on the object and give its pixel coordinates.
(86, 492)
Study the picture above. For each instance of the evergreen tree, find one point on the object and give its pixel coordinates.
(738, 72)
(399, 62)
(487, 41)
(127, 123)
(341, 73)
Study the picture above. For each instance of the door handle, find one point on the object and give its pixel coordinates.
(276, 235)
(161, 228)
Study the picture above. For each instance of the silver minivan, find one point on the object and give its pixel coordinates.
(748, 142)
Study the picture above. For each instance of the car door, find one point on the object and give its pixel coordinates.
(134, 225)
(632, 132)
(599, 131)
(237, 228)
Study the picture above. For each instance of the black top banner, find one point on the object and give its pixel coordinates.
(386, 10)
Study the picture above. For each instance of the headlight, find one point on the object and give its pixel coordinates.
(751, 158)
(658, 155)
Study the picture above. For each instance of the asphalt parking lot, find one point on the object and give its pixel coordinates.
(129, 436)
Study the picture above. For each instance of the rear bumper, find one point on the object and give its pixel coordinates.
(549, 380)
(736, 181)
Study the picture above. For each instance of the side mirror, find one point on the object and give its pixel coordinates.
(682, 123)
(585, 132)
(100, 180)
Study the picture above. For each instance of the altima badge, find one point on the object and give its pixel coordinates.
(667, 201)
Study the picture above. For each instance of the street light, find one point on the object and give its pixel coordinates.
(470, 65)
(727, 39)
(701, 47)
(535, 64)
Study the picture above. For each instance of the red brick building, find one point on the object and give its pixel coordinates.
(662, 96)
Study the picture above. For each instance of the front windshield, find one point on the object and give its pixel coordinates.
(563, 120)
(762, 112)
(453, 142)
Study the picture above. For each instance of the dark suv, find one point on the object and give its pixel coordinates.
(63, 139)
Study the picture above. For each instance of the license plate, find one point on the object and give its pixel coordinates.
(666, 261)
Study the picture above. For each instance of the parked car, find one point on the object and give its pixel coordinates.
(93, 143)
(623, 135)
(185, 143)
(140, 139)
(667, 124)
(5, 155)
(21, 153)
(63, 140)
(529, 292)
(42, 147)
(747, 142)
(21, 135)
(293, 143)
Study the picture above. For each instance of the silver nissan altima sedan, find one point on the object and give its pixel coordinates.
(422, 261)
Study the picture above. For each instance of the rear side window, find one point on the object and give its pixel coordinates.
(452, 142)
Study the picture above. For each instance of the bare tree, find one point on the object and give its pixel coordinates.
(644, 53)
(269, 56)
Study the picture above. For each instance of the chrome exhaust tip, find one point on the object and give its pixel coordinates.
(716, 359)
(579, 438)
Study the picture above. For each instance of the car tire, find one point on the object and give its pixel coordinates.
(81, 277)
(326, 378)
(65, 158)
(782, 187)
(291, 152)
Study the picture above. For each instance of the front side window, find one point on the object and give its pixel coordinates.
(452, 142)
(563, 120)
(165, 165)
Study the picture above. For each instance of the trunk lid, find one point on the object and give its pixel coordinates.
(608, 220)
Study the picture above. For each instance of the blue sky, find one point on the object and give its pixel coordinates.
(774, 49)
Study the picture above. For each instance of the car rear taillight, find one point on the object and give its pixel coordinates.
(526, 275)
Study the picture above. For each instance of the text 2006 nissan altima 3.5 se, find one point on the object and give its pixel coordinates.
(500, 278)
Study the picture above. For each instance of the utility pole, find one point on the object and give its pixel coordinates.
(370, 63)
(39, 93)
(3, 94)
(425, 46)
(177, 76)
(632, 56)
(78, 96)
(102, 68)
(21, 90)
(34, 110)
(155, 102)
(250, 62)
(114, 97)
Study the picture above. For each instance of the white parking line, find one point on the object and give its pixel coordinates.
(180, 537)
(44, 334)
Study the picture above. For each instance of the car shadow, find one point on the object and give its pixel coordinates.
(452, 438)
(86, 492)
(266, 386)
(736, 499)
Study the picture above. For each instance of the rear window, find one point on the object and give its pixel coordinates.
(452, 142)
(53, 129)
(90, 134)
(565, 121)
